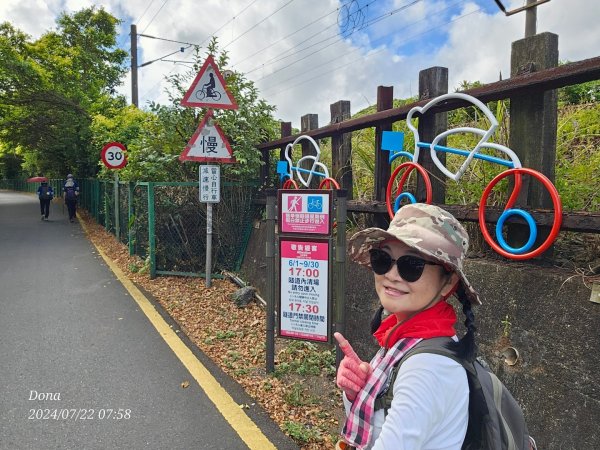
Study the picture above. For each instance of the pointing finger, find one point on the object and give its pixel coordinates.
(345, 347)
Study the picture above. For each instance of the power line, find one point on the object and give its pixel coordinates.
(181, 50)
(155, 14)
(277, 58)
(202, 43)
(368, 56)
(286, 37)
(168, 40)
(144, 13)
(230, 20)
(368, 24)
(258, 23)
(136, 21)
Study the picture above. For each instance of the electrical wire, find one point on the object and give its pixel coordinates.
(286, 37)
(258, 23)
(134, 22)
(155, 14)
(181, 50)
(202, 43)
(229, 21)
(338, 39)
(366, 57)
(168, 40)
(280, 56)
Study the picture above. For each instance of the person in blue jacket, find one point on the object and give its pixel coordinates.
(71, 192)
(45, 194)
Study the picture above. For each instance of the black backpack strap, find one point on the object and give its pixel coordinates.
(437, 346)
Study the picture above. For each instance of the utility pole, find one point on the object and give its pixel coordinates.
(530, 19)
(134, 66)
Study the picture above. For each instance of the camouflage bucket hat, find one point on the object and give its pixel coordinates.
(430, 230)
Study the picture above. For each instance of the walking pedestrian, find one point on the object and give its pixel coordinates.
(45, 194)
(71, 192)
(417, 264)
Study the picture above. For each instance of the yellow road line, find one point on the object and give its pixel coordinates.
(229, 409)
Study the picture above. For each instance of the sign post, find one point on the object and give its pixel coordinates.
(208, 143)
(210, 192)
(114, 157)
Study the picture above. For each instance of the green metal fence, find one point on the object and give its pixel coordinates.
(165, 223)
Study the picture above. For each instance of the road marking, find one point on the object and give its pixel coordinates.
(248, 431)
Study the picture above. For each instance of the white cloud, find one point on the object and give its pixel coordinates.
(477, 47)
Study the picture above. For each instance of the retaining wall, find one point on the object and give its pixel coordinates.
(545, 314)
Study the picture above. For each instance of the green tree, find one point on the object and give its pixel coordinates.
(164, 137)
(51, 88)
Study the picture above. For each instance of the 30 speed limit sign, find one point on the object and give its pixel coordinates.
(113, 155)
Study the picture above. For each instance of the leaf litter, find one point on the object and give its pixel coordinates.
(301, 396)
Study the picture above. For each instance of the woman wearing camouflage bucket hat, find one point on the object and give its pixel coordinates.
(418, 265)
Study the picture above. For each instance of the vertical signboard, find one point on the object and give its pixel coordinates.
(304, 289)
(210, 184)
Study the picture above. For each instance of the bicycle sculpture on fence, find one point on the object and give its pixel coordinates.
(393, 142)
(286, 169)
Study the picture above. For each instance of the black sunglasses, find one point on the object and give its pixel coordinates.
(409, 267)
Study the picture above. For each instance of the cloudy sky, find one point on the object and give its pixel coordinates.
(304, 55)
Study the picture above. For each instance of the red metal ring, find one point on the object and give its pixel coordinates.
(555, 200)
(289, 183)
(410, 166)
(329, 182)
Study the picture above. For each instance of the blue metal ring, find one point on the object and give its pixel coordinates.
(532, 231)
(407, 195)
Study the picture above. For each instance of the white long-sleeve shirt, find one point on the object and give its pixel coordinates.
(430, 407)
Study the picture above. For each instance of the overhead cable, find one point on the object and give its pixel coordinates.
(368, 24)
(258, 23)
(367, 56)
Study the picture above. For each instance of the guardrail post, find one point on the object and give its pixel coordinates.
(286, 130)
(385, 100)
(341, 148)
(309, 122)
(432, 83)
(533, 122)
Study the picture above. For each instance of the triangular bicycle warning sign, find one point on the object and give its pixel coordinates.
(208, 143)
(209, 89)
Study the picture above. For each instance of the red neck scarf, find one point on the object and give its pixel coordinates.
(437, 321)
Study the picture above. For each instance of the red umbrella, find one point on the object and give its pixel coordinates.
(36, 179)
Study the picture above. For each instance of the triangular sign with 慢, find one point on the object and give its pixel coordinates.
(209, 89)
(208, 143)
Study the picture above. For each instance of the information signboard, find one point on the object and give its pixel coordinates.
(303, 300)
(210, 183)
(306, 211)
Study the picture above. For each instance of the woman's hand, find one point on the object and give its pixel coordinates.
(352, 373)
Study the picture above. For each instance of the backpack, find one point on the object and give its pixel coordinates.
(70, 193)
(496, 421)
(45, 193)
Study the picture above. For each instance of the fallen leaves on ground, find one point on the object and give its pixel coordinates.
(307, 407)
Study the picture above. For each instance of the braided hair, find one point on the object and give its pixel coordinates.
(466, 347)
(376, 320)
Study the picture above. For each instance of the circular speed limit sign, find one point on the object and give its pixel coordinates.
(113, 155)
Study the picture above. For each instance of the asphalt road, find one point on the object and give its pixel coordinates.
(81, 366)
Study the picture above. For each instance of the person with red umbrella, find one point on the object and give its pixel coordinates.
(45, 194)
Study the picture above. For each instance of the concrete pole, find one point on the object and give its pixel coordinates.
(530, 19)
(134, 66)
